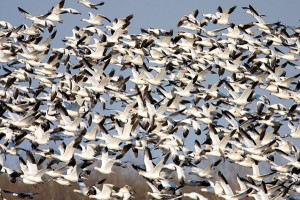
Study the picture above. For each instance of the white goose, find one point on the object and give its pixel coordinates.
(73, 174)
(31, 174)
(186, 92)
(66, 152)
(88, 4)
(95, 19)
(104, 194)
(55, 11)
(107, 163)
(88, 152)
(39, 136)
(156, 194)
(151, 171)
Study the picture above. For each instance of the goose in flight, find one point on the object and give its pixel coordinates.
(38, 20)
(229, 194)
(295, 131)
(125, 193)
(67, 152)
(192, 195)
(221, 17)
(73, 174)
(69, 10)
(156, 194)
(21, 195)
(43, 46)
(31, 174)
(39, 136)
(88, 152)
(107, 163)
(205, 173)
(191, 18)
(250, 10)
(244, 98)
(95, 19)
(186, 92)
(55, 12)
(88, 4)
(104, 194)
(86, 191)
(152, 172)
(119, 23)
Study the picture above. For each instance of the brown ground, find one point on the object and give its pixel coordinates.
(54, 191)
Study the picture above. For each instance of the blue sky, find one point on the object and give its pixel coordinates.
(163, 14)
(160, 14)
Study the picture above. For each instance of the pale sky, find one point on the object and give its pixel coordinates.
(155, 13)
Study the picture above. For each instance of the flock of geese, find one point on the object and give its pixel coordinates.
(174, 107)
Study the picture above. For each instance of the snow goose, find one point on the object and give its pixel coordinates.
(55, 11)
(88, 152)
(218, 146)
(95, 19)
(43, 46)
(89, 4)
(223, 16)
(39, 20)
(119, 22)
(126, 133)
(228, 190)
(234, 32)
(39, 136)
(104, 194)
(6, 25)
(152, 172)
(189, 18)
(205, 173)
(107, 163)
(66, 152)
(158, 78)
(256, 175)
(198, 154)
(83, 189)
(62, 181)
(213, 33)
(33, 30)
(261, 192)
(236, 125)
(295, 131)
(156, 194)
(21, 195)
(55, 173)
(111, 143)
(192, 195)
(25, 121)
(125, 193)
(72, 126)
(92, 135)
(50, 67)
(214, 188)
(86, 191)
(186, 92)
(245, 97)
(69, 10)
(138, 78)
(31, 174)
(73, 174)
(250, 10)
